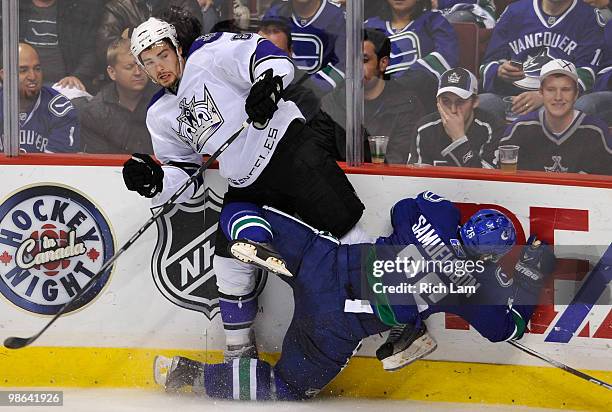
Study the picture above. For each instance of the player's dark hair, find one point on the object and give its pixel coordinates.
(188, 28)
(281, 25)
(420, 7)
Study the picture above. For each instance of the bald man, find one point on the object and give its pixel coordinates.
(48, 122)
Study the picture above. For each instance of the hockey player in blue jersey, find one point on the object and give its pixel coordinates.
(529, 34)
(329, 321)
(48, 122)
(318, 38)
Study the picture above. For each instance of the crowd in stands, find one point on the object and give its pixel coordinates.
(442, 98)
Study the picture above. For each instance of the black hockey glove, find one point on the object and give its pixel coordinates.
(537, 261)
(265, 93)
(141, 174)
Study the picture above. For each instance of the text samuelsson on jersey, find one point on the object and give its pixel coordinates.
(435, 258)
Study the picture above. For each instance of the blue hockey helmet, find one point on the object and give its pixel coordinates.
(488, 233)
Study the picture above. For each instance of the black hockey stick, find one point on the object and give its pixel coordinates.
(560, 365)
(14, 342)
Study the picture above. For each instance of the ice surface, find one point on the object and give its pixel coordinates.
(134, 400)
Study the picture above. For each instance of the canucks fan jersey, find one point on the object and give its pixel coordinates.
(524, 33)
(604, 77)
(584, 147)
(428, 43)
(51, 126)
(209, 107)
(318, 43)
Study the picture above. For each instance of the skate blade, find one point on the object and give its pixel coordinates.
(424, 346)
(161, 367)
(248, 254)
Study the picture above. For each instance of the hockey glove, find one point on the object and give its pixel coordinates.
(261, 103)
(536, 262)
(141, 174)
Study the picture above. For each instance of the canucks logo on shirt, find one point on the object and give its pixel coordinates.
(405, 51)
(198, 121)
(307, 52)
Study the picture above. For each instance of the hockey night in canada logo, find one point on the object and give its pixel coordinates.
(53, 240)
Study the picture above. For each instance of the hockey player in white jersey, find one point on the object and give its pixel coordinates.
(278, 160)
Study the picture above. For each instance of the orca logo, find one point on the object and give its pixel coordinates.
(53, 240)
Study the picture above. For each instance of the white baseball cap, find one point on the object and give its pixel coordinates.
(458, 81)
(559, 66)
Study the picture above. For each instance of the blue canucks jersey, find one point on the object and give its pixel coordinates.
(51, 126)
(604, 77)
(425, 230)
(318, 43)
(428, 43)
(526, 34)
(323, 335)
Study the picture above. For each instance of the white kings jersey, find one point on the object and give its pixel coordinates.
(209, 107)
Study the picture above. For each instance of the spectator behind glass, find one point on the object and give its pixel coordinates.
(423, 44)
(390, 109)
(63, 34)
(114, 120)
(481, 12)
(456, 134)
(528, 35)
(319, 40)
(210, 14)
(301, 91)
(48, 122)
(558, 138)
(599, 103)
(188, 27)
(119, 15)
(604, 6)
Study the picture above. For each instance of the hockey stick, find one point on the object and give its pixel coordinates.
(14, 342)
(560, 365)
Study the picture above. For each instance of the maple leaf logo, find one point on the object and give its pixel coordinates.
(6, 258)
(93, 254)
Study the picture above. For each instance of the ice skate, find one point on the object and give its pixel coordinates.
(404, 345)
(177, 373)
(247, 350)
(261, 255)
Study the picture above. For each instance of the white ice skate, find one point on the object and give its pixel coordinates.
(246, 350)
(259, 254)
(405, 345)
(177, 373)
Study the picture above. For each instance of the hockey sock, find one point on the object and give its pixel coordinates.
(238, 315)
(243, 379)
(237, 297)
(241, 220)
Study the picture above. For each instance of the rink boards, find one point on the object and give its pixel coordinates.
(160, 296)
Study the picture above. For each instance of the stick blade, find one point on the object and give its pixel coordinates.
(14, 342)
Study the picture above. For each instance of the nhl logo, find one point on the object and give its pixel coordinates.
(53, 240)
(182, 261)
